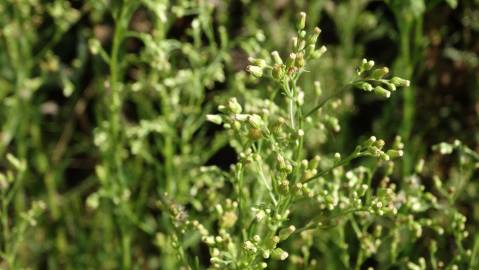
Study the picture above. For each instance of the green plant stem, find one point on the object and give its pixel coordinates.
(345, 161)
(324, 101)
(114, 155)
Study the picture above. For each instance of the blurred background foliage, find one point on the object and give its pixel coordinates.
(105, 103)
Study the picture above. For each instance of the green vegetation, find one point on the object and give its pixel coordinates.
(202, 134)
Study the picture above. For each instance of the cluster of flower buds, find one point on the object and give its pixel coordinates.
(303, 49)
(373, 79)
(221, 249)
(374, 147)
(250, 125)
(228, 216)
(38, 207)
(267, 247)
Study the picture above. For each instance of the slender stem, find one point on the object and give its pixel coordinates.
(115, 162)
(324, 101)
(291, 112)
(351, 157)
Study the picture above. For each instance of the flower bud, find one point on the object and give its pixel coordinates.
(279, 254)
(313, 163)
(294, 43)
(314, 37)
(337, 157)
(214, 118)
(364, 86)
(277, 58)
(255, 121)
(382, 92)
(249, 246)
(394, 153)
(255, 71)
(234, 106)
(317, 54)
(271, 243)
(370, 141)
(419, 166)
(94, 46)
(277, 72)
(399, 82)
(379, 144)
(299, 62)
(286, 232)
(291, 60)
(310, 50)
(257, 62)
(302, 21)
(379, 73)
(229, 219)
(284, 187)
(255, 134)
(391, 87)
(366, 65)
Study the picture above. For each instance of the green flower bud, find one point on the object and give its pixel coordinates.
(299, 62)
(234, 106)
(278, 72)
(286, 232)
(391, 87)
(394, 153)
(279, 254)
(317, 54)
(302, 21)
(364, 86)
(379, 144)
(419, 166)
(301, 45)
(298, 189)
(257, 62)
(255, 134)
(337, 157)
(366, 65)
(370, 141)
(249, 246)
(313, 163)
(255, 71)
(214, 118)
(277, 58)
(382, 92)
(294, 43)
(271, 243)
(437, 182)
(314, 37)
(399, 82)
(284, 187)
(255, 121)
(310, 50)
(94, 46)
(379, 73)
(229, 219)
(291, 60)
(281, 162)
(362, 190)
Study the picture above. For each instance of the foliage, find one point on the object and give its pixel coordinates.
(160, 134)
